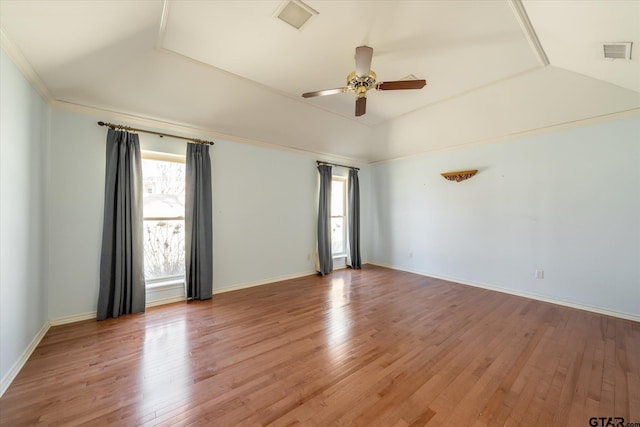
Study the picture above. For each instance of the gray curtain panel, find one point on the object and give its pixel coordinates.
(324, 221)
(198, 228)
(353, 211)
(122, 286)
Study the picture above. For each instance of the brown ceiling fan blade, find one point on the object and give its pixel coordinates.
(401, 84)
(363, 60)
(361, 106)
(325, 92)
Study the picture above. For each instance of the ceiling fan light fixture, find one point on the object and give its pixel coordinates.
(354, 82)
(363, 79)
(295, 13)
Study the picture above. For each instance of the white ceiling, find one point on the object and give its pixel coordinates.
(572, 33)
(232, 68)
(408, 38)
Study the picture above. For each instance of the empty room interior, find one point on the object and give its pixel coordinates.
(285, 212)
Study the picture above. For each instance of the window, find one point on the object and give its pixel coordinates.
(163, 210)
(338, 217)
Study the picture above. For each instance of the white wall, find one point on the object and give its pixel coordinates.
(23, 147)
(76, 192)
(366, 216)
(544, 202)
(75, 219)
(264, 203)
(566, 202)
(537, 99)
(264, 214)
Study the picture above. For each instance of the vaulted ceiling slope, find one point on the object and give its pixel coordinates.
(232, 68)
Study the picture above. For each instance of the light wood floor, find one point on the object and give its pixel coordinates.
(370, 347)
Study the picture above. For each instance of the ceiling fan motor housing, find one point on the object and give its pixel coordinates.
(361, 84)
(363, 79)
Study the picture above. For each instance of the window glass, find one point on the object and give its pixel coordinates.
(338, 220)
(337, 197)
(337, 236)
(163, 210)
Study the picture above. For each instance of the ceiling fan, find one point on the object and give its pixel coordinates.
(363, 79)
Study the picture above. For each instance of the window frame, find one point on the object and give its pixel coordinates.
(165, 281)
(343, 181)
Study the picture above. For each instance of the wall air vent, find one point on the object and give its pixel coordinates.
(294, 13)
(617, 50)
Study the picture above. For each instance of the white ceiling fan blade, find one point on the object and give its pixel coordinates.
(325, 92)
(363, 60)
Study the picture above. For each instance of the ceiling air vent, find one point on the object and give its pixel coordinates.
(617, 50)
(294, 13)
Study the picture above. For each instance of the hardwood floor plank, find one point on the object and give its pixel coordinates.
(370, 347)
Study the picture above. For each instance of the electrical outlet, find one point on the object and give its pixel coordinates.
(539, 274)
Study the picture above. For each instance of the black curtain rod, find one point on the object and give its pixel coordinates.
(129, 128)
(320, 162)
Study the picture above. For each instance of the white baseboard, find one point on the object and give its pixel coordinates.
(272, 280)
(17, 366)
(72, 319)
(92, 315)
(15, 369)
(262, 282)
(170, 300)
(164, 301)
(579, 306)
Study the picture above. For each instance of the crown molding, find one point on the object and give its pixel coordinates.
(466, 92)
(271, 89)
(162, 29)
(17, 57)
(189, 130)
(163, 24)
(521, 16)
(23, 65)
(634, 112)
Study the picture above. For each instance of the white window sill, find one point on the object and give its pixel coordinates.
(339, 256)
(166, 284)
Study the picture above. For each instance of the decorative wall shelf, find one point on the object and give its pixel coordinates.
(459, 175)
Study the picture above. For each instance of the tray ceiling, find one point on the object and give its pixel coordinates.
(443, 44)
(233, 69)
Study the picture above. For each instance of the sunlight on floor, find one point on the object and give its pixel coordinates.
(166, 368)
(339, 319)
